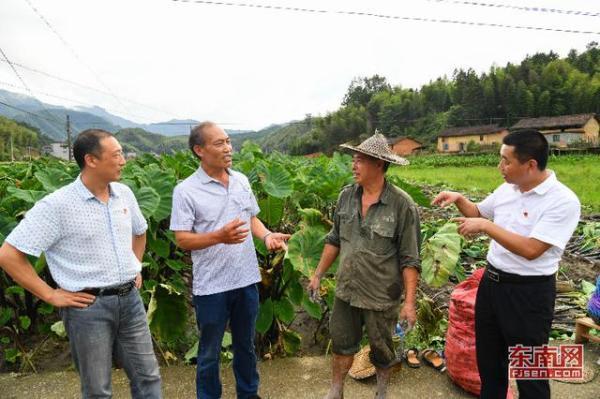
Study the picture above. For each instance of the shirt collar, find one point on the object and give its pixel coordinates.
(86, 194)
(205, 178)
(543, 187)
(384, 197)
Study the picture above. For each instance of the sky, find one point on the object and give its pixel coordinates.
(247, 68)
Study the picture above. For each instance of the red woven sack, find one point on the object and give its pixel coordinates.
(461, 360)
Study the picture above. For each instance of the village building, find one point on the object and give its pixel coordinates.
(57, 150)
(470, 138)
(404, 145)
(564, 130)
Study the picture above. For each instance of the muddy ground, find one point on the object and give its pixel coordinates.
(283, 378)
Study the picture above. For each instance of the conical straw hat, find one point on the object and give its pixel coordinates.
(377, 146)
(361, 366)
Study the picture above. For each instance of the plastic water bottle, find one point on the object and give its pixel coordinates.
(398, 339)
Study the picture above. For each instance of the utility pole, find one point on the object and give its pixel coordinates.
(69, 136)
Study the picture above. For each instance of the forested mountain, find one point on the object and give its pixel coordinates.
(139, 141)
(541, 85)
(51, 119)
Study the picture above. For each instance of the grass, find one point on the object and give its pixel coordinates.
(582, 175)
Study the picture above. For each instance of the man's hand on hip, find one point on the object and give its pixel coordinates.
(138, 281)
(62, 299)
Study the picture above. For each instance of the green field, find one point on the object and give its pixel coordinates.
(580, 173)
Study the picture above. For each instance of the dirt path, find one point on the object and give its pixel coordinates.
(293, 378)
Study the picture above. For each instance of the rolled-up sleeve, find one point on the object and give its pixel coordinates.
(38, 231)
(409, 236)
(333, 237)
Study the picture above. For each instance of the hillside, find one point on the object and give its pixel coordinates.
(51, 119)
(16, 140)
(139, 141)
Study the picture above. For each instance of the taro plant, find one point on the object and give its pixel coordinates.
(296, 195)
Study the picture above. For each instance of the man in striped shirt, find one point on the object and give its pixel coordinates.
(214, 210)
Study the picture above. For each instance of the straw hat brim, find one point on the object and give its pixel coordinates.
(392, 158)
(361, 366)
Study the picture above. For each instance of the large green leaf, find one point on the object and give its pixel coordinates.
(167, 313)
(148, 200)
(163, 183)
(440, 255)
(413, 191)
(305, 247)
(277, 181)
(175, 265)
(29, 196)
(296, 292)
(284, 310)
(291, 342)
(265, 316)
(160, 247)
(271, 210)
(312, 308)
(52, 178)
(311, 217)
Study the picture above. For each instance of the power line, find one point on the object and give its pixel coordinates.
(522, 8)
(30, 69)
(28, 112)
(388, 17)
(15, 71)
(61, 97)
(25, 84)
(73, 52)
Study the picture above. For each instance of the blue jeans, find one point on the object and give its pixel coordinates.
(240, 308)
(119, 324)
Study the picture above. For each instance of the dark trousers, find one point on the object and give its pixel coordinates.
(507, 314)
(239, 308)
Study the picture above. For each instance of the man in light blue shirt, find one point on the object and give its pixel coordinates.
(93, 235)
(214, 210)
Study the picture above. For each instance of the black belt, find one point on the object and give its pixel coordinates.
(499, 276)
(119, 290)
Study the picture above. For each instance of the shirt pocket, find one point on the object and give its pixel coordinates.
(382, 238)
(525, 222)
(242, 201)
(121, 219)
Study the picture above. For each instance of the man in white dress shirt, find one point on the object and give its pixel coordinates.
(530, 218)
